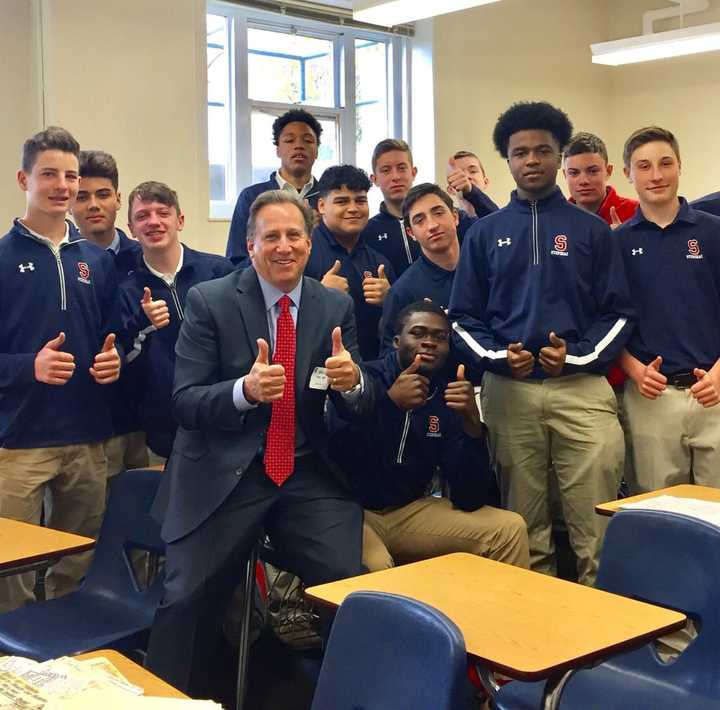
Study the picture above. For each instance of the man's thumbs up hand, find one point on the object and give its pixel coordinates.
(340, 369)
(264, 382)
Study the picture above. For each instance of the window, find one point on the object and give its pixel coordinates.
(261, 64)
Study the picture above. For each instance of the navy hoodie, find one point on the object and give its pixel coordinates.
(150, 362)
(535, 267)
(41, 294)
(392, 456)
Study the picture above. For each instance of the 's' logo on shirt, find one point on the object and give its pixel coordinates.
(433, 426)
(560, 245)
(693, 249)
(84, 272)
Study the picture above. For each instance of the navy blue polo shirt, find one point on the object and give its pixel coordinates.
(674, 278)
(355, 267)
(422, 280)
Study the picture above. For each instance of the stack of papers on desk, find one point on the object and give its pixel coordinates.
(70, 684)
(702, 509)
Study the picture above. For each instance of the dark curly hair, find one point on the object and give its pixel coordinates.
(528, 116)
(339, 176)
(293, 115)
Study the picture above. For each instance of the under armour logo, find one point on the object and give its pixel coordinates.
(382, 236)
(637, 251)
(22, 268)
(504, 242)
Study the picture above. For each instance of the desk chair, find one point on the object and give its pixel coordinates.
(666, 559)
(387, 652)
(110, 609)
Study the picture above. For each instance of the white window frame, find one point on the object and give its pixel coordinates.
(343, 37)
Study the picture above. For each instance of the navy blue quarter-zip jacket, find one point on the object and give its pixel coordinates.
(674, 276)
(535, 267)
(392, 456)
(355, 266)
(150, 362)
(236, 249)
(43, 293)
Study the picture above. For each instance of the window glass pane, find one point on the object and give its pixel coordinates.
(264, 157)
(371, 124)
(290, 68)
(219, 118)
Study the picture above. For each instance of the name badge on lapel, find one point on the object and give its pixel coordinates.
(319, 379)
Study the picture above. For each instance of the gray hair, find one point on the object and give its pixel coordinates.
(279, 197)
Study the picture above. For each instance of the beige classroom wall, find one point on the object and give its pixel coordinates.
(681, 94)
(20, 87)
(486, 59)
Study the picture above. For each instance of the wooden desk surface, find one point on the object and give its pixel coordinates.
(136, 674)
(524, 624)
(24, 543)
(685, 490)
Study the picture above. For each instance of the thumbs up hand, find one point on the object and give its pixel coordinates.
(460, 397)
(652, 382)
(106, 366)
(375, 288)
(707, 389)
(615, 221)
(552, 357)
(520, 361)
(458, 181)
(264, 382)
(52, 366)
(340, 369)
(332, 278)
(157, 312)
(410, 389)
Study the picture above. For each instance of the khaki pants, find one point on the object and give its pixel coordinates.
(675, 440)
(126, 451)
(571, 424)
(430, 527)
(76, 477)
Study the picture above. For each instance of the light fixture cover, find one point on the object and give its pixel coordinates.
(658, 45)
(388, 13)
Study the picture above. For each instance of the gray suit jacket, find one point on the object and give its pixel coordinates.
(215, 443)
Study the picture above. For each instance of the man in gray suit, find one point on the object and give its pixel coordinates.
(250, 452)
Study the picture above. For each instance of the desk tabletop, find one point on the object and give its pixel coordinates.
(684, 490)
(522, 623)
(136, 674)
(24, 543)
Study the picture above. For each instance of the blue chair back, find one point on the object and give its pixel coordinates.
(388, 652)
(674, 561)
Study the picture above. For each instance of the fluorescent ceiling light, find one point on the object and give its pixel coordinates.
(658, 45)
(388, 13)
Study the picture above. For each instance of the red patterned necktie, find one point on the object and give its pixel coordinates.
(280, 443)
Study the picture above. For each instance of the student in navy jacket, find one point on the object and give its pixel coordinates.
(95, 212)
(57, 355)
(710, 203)
(341, 259)
(424, 425)
(672, 257)
(393, 172)
(296, 135)
(431, 221)
(541, 301)
(153, 298)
